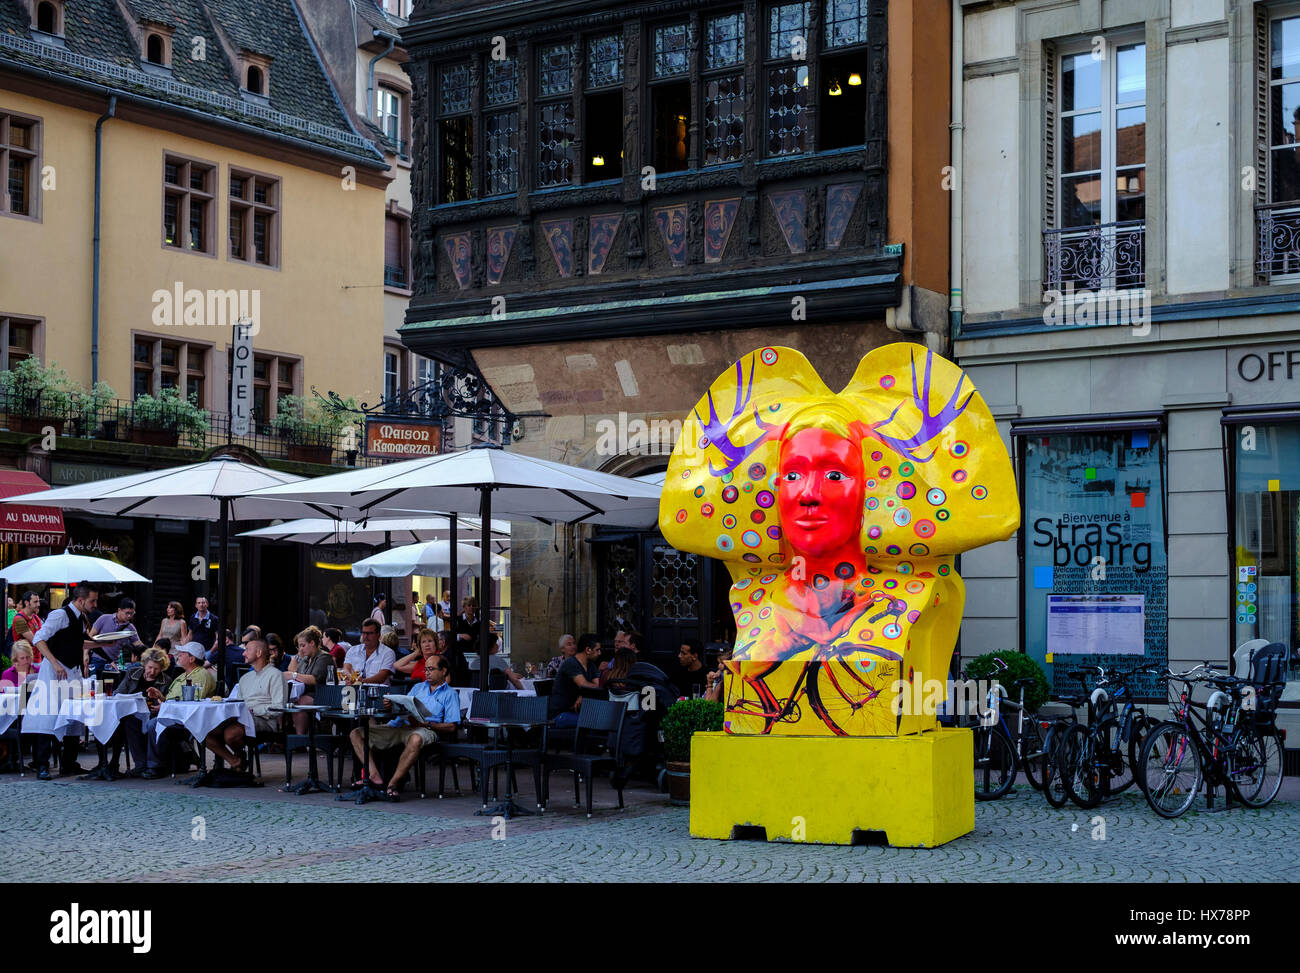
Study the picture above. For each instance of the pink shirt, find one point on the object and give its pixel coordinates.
(11, 675)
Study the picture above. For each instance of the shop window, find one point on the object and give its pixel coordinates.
(1266, 500)
(1095, 569)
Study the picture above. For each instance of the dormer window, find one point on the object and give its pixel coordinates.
(255, 77)
(49, 17)
(155, 49)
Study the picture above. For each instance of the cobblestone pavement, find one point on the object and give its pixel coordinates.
(162, 831)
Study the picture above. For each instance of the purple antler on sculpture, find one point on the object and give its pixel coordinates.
(932, 424)
(715, 429)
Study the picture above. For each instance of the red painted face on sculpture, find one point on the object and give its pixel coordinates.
(819, 492)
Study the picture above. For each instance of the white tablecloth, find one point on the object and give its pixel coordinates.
(202, 717)
(41, 713)
(101, 715)
(9, 703)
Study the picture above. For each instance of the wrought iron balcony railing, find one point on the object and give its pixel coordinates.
(1105, 256)
(1277, 238)
(117, 421)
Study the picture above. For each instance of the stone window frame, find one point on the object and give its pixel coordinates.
(1042, 25)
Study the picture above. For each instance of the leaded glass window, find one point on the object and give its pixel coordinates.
(502, 81)
(846, 23)
(502, 172)
(787, 99)
(670, 51)
(453, 88)
(605, 61)
(725, 42)
(555, 133)
(787, 29)
(555, 69)
(724, 119)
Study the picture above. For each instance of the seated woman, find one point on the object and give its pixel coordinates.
(23, 668)
(150, 680)
(311, 667)
(412, 664)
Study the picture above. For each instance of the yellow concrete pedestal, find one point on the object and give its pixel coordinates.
(919, 789)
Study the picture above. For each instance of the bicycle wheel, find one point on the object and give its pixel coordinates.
(995, 763)
(1171, 769)
(1137, 735)
(1054, 759)
(753, 710)
(1121, 775)
(1083, 780)
(850, 697)
(1032, 752)
(1255, 766)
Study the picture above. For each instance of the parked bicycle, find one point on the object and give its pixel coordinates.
(1237, 744)
(1102, 756)
(998, 756)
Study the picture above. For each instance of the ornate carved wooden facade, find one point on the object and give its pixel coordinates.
(755, 214)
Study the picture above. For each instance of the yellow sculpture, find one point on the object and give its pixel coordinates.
(839, 517)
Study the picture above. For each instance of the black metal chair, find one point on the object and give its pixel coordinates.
(596, 719)
(332, 744)
(482, 756)
(532, 753)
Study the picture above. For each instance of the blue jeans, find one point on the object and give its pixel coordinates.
(566, 720)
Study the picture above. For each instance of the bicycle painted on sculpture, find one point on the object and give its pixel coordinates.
(839, 692)
(1235, 746)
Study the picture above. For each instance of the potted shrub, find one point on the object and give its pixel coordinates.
(310, 428)
(91, 408)
(160, 420)
(683, 719)
(36, 396)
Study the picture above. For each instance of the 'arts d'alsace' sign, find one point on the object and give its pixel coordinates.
(402, 438)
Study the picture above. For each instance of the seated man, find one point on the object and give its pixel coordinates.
(578, 672)
(189, 657)
(260, 689)
(434, 697)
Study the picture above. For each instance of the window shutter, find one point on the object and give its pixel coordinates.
(1049, 134)
(1261, 103)
(392, 242)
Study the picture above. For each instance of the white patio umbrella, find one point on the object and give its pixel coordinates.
(67, 569)
(516, 486)
(429, 557)
(407, 530)
(221, 489)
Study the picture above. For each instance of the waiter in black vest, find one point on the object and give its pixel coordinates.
(62, 642)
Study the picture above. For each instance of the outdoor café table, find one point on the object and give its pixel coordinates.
(10, 708)
(296, 689)
(101, 715)
(312, 783)
(203, 716)
(507, 808)
(365, 792)
(466, 693)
